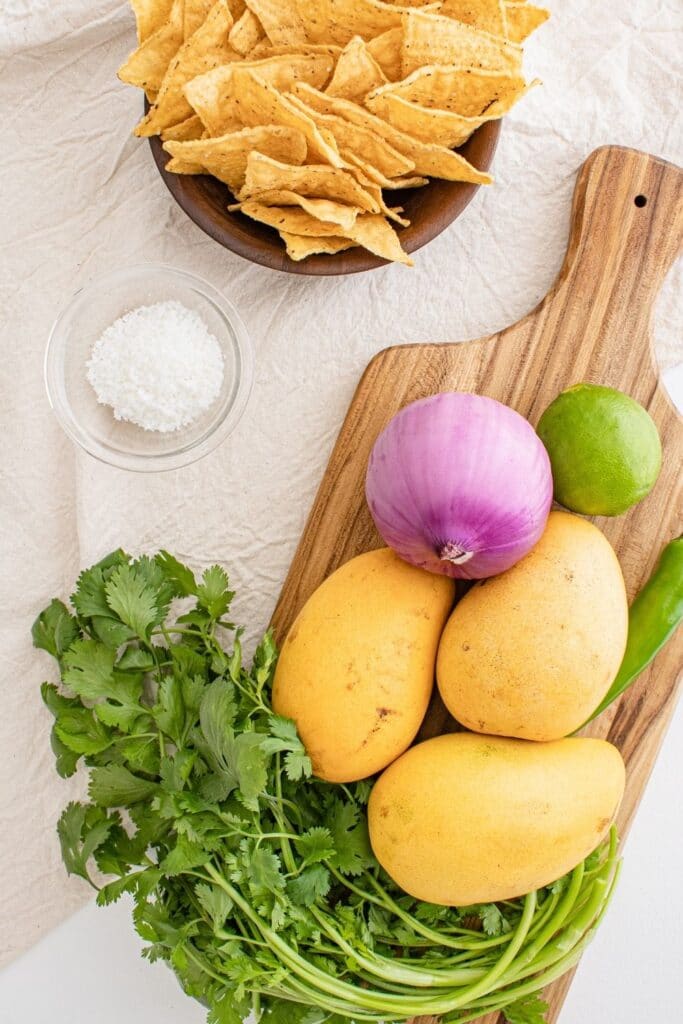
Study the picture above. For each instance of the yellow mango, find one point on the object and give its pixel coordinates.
(464, 818)
(357, 669)
(532, 652)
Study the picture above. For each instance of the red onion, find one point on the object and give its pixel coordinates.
(460, 485)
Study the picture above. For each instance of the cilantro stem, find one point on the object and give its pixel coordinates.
(422, 929)
(285, 845)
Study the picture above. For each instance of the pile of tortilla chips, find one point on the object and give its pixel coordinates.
(313, 111)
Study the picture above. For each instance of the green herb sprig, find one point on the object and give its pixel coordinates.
(254, 880)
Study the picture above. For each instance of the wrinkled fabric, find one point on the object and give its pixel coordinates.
(80, 196)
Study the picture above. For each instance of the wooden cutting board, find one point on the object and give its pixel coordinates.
(594, 325)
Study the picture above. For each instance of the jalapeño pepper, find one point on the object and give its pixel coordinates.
(652, 619)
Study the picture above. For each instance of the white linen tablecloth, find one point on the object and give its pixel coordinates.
(79, 196)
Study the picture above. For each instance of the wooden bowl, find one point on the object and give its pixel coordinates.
(430, 210)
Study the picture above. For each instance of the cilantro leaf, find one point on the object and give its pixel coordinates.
(77, 729)
(55, 629)
(135, 882)
(115, 786)
(141, 752)
(187, 661)
(264, 873)
(213, 592)
(169, 710)
(223, 1010)
(240, 764)
(217, 714)
(90, 598)
(284, 738)
(131, 597)
(81, 829)
(135, 659)
(315, 845)
(215, 902)
(89, 669)
(238, 761)
(112, 632)
(312, 884)
(90, 674)
(178, 574)
(531, 1010)
(185, 855)
(65, 758)
(113, 891)
(350, 837)
(492, 920)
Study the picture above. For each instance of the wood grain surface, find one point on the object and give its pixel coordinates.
(594, 325)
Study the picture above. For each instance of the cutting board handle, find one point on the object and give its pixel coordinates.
(626, 231)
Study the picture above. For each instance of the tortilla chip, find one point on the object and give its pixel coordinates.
(376, 235)
(442, 127)
(316, 181)
(179, 165)
(438, 126)
(237, 8)
(340, 216)
(189, 129)
(386, 50)
(434, 39)
(150, 16)
(488, 15)
(357, 72)
(430, 160)
(300, 246)
(147, 66)
(281, 21)
(267, 49)
(204, 50)
(375, 191)
(246, 33)
(212, 95)
(226, 157)
(523, 19)
(466, 91)
(195, 13)
(358, 139)
(337, 21)
(257, 102)
(287, 218)
(375, 175)
(370, 230)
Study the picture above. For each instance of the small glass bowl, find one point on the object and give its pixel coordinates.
(92, 425)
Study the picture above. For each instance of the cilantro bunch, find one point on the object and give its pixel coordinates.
(255, 881)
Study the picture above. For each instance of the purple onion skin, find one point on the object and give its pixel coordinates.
(459, 484)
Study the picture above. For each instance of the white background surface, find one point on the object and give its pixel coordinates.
(80, 196)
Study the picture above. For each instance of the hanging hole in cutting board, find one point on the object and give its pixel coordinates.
(640, 201)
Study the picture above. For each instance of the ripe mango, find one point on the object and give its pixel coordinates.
(532, 652)
(464, 818)
(357, 669)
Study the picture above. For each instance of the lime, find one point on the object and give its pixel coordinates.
(604, 449)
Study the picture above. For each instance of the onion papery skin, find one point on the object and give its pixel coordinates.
(459, 484)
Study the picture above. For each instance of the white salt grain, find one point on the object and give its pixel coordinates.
(158, 367)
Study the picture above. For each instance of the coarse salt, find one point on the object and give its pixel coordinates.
(157, 366)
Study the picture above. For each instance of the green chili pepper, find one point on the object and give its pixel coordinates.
(652, 619)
